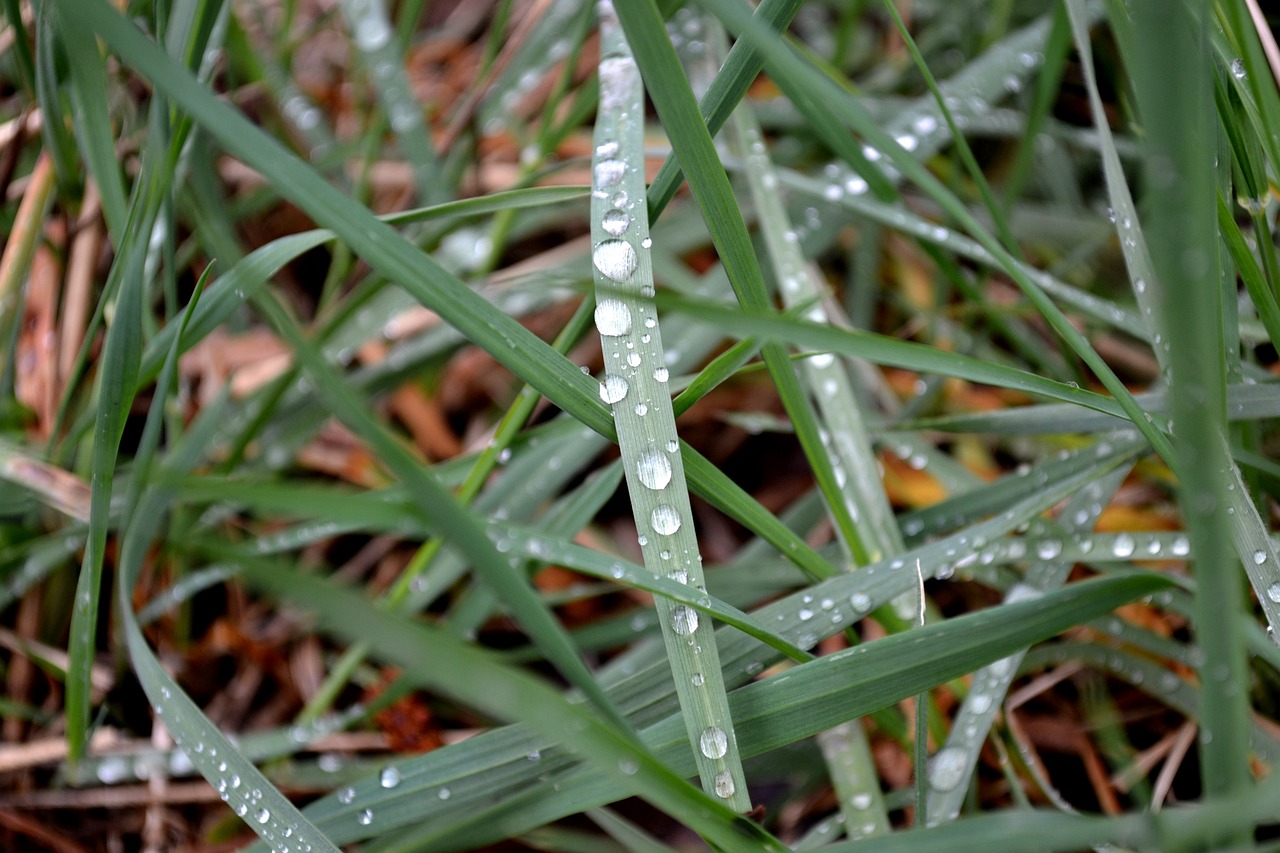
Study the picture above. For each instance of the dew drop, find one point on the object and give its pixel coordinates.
(698, 679)
(672, 445)
(684, 620)
(665, 519)
(1181, 546)
(724, 786)
(607, 150)
(1259, 557)
(861, 602)
(1273, 592)
(609, 172)
(615, 259)
(389, 778)
(613, 389)
(1123, 546)
(365, 817)
(980, 702)
(262, 816)
(347, 795)
(1237, 68)
(1048, 549)
(713, 742)
(634, 359)
(947, 769)
(613, 317)
(616, 222)
(444, 794)
(654, 470)
(861, 802)
(661, 374)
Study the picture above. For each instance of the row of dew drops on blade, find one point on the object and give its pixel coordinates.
(617, 260)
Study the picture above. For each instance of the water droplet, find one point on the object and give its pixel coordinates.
(661, 374)
(613, 389)
(615, 259)
(1259, 557)
(1273, 592)
(947, 769)
(980, 702)
(1048, 549)
(444, 794)
(347, 795)
(1237, 68)
(698, 679)
(724, 786)
(372, 32)
(861, 802)
(389, 778)
(613, 317)
(365, 817)
(665, 519)
(861, 602)
(616, 222)
(654, 470)
(609, 172)
(1123, 546)
(684, 620)
(262, 816)
(633, 359)
(1181, 546)
(713, 742)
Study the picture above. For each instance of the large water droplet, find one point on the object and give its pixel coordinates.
(615, 222)
(1259, 557)
(609, 172)
(665, 519)
(613, 389)
(1123, 546)
(713, 742)
(661, 374)
(684, 620)
(654, 470)
(615, 259)
(613, 317)
(389, 778)
(262, 816)
(724, 786)
(1273, 592)
(947, 769)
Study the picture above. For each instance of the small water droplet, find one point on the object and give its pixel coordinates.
(723, 784)
(1259, 557)
(654, 470)
(616, 222)
(1048, 549)
(262, 816)
(347, 795)
(861, 802)
(365, 817)
(389, 778)
(1123, 546)
(613, 317)
(698, 679)
(666, 520)
(661, 374)
(1237, 68)
(861, 602)
(684, 620)
(444, 794)
(613, 389)
(1273, 592)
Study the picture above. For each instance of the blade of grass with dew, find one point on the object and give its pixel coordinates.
(635, 385)
(1175, 104)
(669, 90)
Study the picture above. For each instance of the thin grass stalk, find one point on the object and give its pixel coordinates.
(1171, 79)
(845, 748)
(636, 386)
